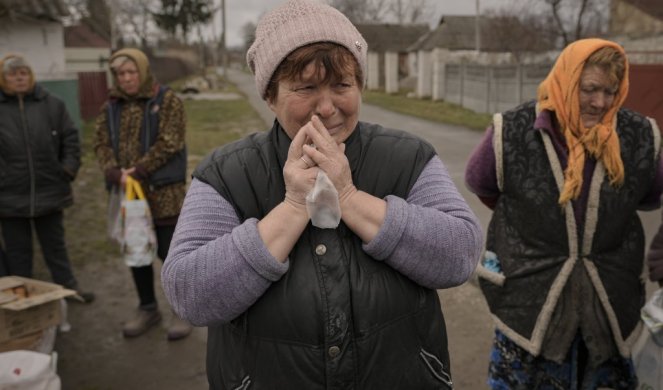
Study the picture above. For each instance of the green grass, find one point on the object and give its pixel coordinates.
(222, 84)
(437, 111)
(213, 123)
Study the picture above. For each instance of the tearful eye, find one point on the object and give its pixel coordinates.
(304, 88)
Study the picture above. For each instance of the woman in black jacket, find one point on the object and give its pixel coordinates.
(39, 157)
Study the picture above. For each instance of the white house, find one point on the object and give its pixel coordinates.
(86, 51)
(34, 29)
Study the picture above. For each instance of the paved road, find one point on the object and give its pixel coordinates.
(469, 325)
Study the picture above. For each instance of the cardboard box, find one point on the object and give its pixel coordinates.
(42, 341)
(24, 316)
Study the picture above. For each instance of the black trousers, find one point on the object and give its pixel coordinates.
(17, 235)
(144, 276)
(3, 260)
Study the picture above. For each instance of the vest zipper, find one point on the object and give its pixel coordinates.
(31, 168)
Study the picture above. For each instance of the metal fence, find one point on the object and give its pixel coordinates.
(491, 88)
(497, 88)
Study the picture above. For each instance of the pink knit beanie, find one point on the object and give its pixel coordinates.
(298, 23)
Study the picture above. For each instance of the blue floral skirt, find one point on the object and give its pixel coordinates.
(511, 368)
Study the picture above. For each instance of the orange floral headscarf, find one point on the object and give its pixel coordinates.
(559, 93)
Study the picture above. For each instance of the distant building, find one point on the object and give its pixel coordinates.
(453, 33)
(638, 26)
(86, 51)
(34, 29)
(87, 54)
(636, 18)
(388, 52)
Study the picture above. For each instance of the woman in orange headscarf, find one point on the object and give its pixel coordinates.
(565, 176)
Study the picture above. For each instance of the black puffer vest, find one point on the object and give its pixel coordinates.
(338, 319)
(538, 242)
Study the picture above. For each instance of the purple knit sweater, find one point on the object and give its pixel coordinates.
(217, 268)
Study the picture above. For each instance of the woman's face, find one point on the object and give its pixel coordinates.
(18, 80)
(596, 95)
(128, 78)
(337, 105)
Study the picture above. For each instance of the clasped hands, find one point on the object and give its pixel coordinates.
(125, 173)
(305, 159)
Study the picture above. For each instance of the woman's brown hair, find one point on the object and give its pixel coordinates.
(330, 59)
(611, 61)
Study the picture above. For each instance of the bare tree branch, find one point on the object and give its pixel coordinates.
(380, 11)
(578, 29)
(136, 15)
(517, 30)
(412, 12)
(554, 4)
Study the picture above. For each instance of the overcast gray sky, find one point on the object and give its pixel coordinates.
(240, 12)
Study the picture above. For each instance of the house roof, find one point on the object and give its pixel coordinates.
(453, 33)
(82, 35)
(391, 37)
(41, 9)
(651, 7)
(459, 33)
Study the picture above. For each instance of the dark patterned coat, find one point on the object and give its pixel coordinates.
(539, 243)
(165, 202)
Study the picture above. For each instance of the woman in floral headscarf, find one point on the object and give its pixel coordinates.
(565, 176)
(141, 133)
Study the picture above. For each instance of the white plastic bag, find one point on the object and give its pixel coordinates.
(114, 221)
(322, 203)
(28, 370)
(139, 242)
(648, 350)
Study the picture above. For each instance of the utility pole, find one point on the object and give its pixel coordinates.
(477, 28)
(224, 48)
(112, 14)
(215, 37)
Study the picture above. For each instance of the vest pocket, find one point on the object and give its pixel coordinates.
(436, 367)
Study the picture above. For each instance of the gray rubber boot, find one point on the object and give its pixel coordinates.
(178, 328)
(142, 321)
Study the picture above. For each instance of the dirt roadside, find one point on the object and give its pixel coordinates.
(95, 356)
